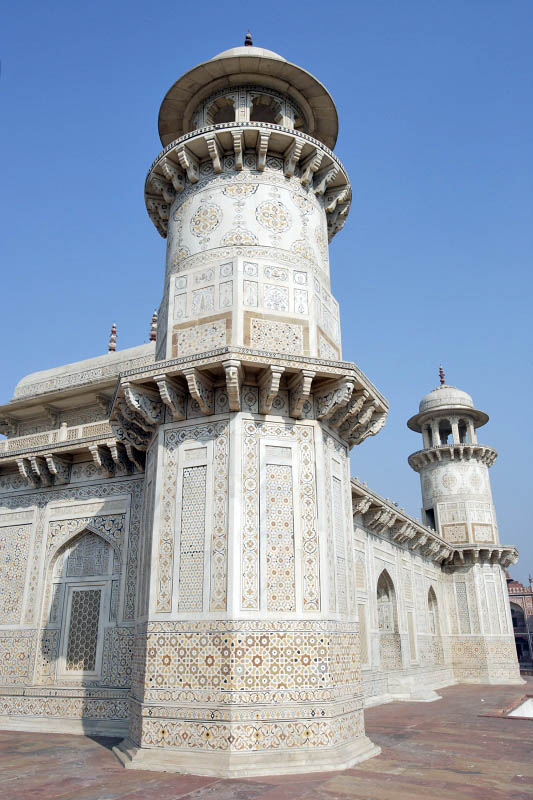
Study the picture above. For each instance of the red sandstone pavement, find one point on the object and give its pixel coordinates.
(447, 750)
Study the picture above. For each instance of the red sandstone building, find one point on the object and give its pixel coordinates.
(521, 600)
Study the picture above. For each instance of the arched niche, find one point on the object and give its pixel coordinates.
(433, 612)
(518, 616)
(81, 601)
(390, 649)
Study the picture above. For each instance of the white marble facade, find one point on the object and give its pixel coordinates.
(184, 558)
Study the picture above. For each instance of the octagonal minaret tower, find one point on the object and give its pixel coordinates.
(248, 190)
(247, 649)
(454, 467)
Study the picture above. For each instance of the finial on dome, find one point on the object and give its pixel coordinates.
(113, 338)
(248, 40)
(441, 375)
(153, 327)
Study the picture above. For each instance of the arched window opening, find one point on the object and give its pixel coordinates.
(221, 110)
(266, 109)
(518, 616)
(463, 432)
(386, 602)
(429, 514)
(83, 599)
(433, 612)
(445, 431)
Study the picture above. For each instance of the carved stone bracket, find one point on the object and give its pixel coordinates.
(300, 389)
(146, 403)
(172, 396)
(238, 147)
(102, 459)
(59, 468)
(234, 377)
(200, 390)
(360, 505)
(40, 470)
(292, 156)
(172, 172)
(324, 177)
(316, 165)
(189, 162)
(345, 415)
(163, 186)
(137, 457)
(504, 555)
(126, 430)
(123, 465)
(332, 399)
(269, 387)
(214, 151)
(26, 472)
(262, 149)
(372, 428)
(310, 166)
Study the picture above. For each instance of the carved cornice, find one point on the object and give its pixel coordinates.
(302, 155)
(383, 517)
(468, 554)
(44, 470)
(453, 452)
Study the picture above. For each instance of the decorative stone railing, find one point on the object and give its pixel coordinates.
(44, 459)
(385, 518)
(453, 452)
(21, 444)
(314, 164)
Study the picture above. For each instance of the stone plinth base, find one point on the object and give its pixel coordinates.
(81, 711)
(484, 659)
(254, 763)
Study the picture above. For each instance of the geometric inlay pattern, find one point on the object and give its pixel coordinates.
(192, 539)
(14, 548)
(219, 432)
(306, 505)
(83, 630)
(280, 539)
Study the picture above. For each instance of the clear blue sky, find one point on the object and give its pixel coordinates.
(434, 264)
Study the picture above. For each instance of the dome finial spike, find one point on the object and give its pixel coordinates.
(153, 327)
(112, 339)
(441, 376)
(248, 39)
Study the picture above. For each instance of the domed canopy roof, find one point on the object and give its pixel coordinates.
(248, 65)
(446, 400)
(248, 50)
(445, 396)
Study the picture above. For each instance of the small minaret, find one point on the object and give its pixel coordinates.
(453, 467)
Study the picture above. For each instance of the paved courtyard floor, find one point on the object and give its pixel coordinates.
(446, 750)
